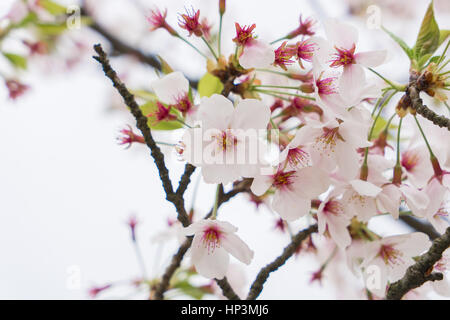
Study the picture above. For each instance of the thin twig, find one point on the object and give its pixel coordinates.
(263, 275)
(170, 270)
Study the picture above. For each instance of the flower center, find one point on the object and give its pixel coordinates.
(409, 160)
(326, 86)
(226, 140)
(333, 207)
(297, 156)
(283, 179)
(183, 104)
(211, 238)
(244, 34)
(327, 141)
(390, 255)
(343, 57)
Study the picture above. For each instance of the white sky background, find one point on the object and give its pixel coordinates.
(67, 188)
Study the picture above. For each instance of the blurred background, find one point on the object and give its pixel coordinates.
(68, 190)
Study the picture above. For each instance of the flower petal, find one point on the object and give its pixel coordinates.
(371, 59)
(238, 248)
(257, 55)
(170, 87)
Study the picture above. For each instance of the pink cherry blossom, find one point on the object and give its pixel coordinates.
(389, 257)
(213, 242)
(224, 130)
(332, 217)
(256, 53)
(292, 199)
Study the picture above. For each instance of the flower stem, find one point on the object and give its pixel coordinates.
(278, 40)
(219, 41)
(366, 152)
(275, 72)
(284, 93)
(389, 82)
(425, 138)
(398, 141)
(277, 87)
(210, 48)
(192, 46)
(216, 203)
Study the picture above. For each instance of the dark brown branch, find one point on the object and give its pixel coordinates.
(141, 123)
(227, 291)
(185, 179)
(263, 275)
(420, 272)
(423, 110)
(170, 270)
(420, 226)
(120, 47)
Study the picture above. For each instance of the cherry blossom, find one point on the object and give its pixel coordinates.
(389, 257)
(291, 199)
(333, 219)
(229, 134)
(213, 242)
(255, 53)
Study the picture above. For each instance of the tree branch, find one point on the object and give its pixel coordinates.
(120, 47)
(417, 104)
(420, 226)
(141, 123)
(227, 291)
(420, 272)
(170, 270)
(263, 275)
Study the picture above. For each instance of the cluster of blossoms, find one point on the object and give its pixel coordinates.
(301, 123)
(330, 164)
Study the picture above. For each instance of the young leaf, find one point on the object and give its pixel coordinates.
(17, 60)
(428, 39)
(400, 42)
(53, 7)
(165, 67)
(444, 34)
(208, 85)
(150, 107)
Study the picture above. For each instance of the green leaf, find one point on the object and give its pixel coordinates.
(400, 42)
(379, 127)
(52, 29)
(53, 7)
(443, 35)
(17, 60)
(149, 108)
(165, 67)
(208, 85)
(428, 38)
(190, 290)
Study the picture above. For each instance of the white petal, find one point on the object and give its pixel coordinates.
(342, 35)
(261, 184)
(390, 199)
(352, 78)
(212, 264)
(365, 188)
(415, 198)
(217, 173)
(251, 114)
(215, 112)
(289, 206)
(371, 59)
(257, 55)
(170, 87)
(311, 182)
(238, 248)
